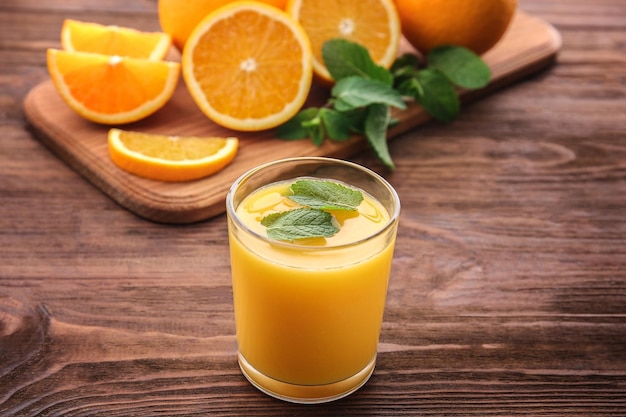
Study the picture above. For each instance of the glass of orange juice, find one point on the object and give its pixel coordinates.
(309, 308)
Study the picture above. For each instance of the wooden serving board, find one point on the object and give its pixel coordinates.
(529, 46)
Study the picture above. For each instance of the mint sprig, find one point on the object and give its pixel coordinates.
(433, 82)
(317, 197)
(364, 93)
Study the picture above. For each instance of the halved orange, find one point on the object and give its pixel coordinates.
(114, 40)
(170, 158)
(247, 66)
(110, 89)
(374, 24)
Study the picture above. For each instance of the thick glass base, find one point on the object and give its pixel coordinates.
(306, 394)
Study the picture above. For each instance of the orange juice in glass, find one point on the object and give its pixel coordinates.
(308, 310)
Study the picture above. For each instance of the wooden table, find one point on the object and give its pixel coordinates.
(508, 290)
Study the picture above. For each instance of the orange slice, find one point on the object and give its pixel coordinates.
(112, 89)
(114, 40)
(373, 24)
(247, 66)
(170, 158)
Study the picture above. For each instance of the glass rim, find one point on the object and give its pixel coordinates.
(231, 210)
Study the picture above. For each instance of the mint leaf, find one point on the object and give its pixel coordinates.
(315, 129)
(317, 123)
(354, 92)
(378, 117)
(344, 58)
(407, 62)
(311, 220)
(337, 125)
(410, 87)
(293, 128)
(299, 223)
(325, 195)
(462, 66)
(437, 95)
(356, 119)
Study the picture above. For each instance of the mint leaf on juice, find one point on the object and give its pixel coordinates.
(325, 195)
(299, 223)
(313, 219)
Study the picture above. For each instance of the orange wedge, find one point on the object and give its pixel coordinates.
(112, 89)
(170, 158)
(114, 40)
(247, 66)
(373, 24)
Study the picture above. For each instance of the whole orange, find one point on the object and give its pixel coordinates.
(475, 24)
(179, 17)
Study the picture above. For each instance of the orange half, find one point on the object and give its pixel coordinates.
(374, 24)
(247, 66)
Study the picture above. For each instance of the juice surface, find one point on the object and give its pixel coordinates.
(310, 313)
(369, 219)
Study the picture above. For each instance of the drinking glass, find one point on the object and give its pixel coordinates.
(308, 316)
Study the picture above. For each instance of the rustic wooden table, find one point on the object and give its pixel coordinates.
(508, 290)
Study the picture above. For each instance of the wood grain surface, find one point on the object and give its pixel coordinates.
(529, 46)
(508, 288)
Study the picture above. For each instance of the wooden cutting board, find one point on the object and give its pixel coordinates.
(530, 45)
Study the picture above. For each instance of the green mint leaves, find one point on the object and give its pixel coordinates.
(461, 66)
(360, 85)
(354, 92)
(345, 59)
(313, 219)
(433, 83)
(325, 195)
(364, 93)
